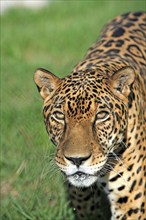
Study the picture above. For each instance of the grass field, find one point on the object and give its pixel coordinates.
(55, 38)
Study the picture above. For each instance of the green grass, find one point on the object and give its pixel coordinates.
(55, 38)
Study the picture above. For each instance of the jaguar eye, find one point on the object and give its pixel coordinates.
(102, 116)
(59, 116)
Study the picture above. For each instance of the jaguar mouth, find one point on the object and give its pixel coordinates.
(80, 176)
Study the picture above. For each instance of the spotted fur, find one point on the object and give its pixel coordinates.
(96, 118)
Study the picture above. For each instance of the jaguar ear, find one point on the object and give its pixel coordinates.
(46, 82)
(122, 80)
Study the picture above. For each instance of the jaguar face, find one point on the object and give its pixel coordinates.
(86, 118)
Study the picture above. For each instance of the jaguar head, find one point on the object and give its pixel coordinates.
(86, 118)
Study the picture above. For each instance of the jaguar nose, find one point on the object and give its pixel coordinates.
(77, 160)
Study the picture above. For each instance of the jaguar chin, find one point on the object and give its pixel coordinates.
(80, 179)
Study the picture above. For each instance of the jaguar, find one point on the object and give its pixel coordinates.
(96, 118)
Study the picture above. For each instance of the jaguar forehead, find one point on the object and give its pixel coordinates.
(81, 92)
